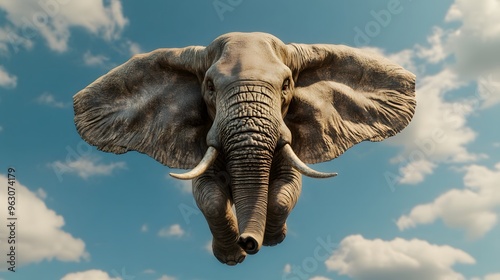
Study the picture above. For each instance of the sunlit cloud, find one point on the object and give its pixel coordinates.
(50, 100)
(7, 80)
(473, 208)
(167, 277)
(94, 60)
(54, 20)
(86, 167)
(41, 236)
(172, 231)
(93, 274)
(377, 259)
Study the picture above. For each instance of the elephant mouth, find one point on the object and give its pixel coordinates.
(212, 153)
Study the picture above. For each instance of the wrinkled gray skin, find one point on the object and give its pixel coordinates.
(249, 98)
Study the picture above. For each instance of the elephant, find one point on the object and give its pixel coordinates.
(253, 109)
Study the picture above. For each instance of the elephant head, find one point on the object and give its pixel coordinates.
(246, 113)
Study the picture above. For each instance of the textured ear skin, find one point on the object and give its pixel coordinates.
(344, 96)
(151, 104)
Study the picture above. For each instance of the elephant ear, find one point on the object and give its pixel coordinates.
(151, 104)
(344, 96)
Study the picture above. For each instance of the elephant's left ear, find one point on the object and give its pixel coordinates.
(344, 96)
(151, 104)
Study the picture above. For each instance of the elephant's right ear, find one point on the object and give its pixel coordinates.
(344, 96)
(151, 104)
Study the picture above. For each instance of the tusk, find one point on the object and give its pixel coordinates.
(207, 160)
(301, 166)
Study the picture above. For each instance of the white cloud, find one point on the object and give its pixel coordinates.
(41, 193)
(94, 60)
(133, 47)
(172, 231)
(287, 269)
(11, 41)
(39, 231)
(364, 259)
(467, 52)
(489, 89)
(144, 228)
(49, 100)
(86, 167)
(208, 247)
(495, 276)
(438, 132)
(414, 172)
(93, 274)
(473, 209)
(149, 271)
(54, 21)
(166, 277)
(492, 277)
(486, 23)
(319, 278)
(7, 80)
(1, 128)
(437, 51)
(476, 42)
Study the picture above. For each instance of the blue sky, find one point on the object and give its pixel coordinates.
(422, 204)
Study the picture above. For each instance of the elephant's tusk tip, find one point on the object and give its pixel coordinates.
(329, 175)
(207, 160)
(302, 167)
(317, 174)
(179, 176)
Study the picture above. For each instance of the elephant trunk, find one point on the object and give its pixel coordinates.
(249, 136)
(250, 180)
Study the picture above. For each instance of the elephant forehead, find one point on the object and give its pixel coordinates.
(248, 41)
(250, 56)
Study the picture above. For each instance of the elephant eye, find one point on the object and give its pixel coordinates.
(210, 86)
(286, 85)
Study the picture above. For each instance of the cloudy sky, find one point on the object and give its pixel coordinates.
(421, 205)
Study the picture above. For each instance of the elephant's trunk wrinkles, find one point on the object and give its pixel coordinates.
(250, 182)
(249, 136)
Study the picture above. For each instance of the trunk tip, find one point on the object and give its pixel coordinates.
(249, 244)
